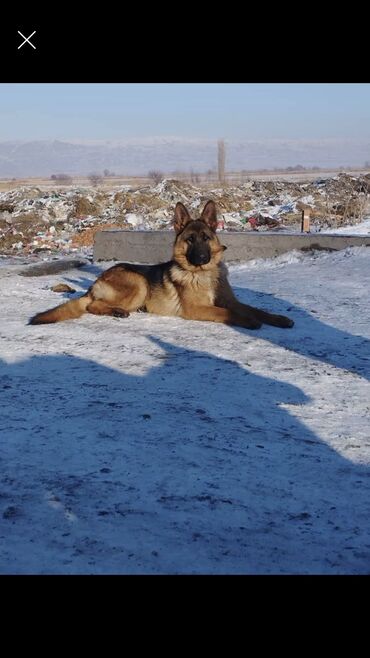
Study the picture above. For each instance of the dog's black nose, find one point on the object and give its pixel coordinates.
(200, 259)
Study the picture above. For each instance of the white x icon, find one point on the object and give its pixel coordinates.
(26, 39)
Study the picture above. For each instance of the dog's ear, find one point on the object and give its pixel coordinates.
(182, 217)
(209, 215)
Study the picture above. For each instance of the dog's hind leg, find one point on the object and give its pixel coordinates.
(128, 294)
(98, 307)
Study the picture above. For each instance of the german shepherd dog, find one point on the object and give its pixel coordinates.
(193, 285)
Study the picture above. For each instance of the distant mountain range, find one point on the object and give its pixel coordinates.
(171, 154)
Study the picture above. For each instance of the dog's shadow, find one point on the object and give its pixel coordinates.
(310, 337)
(194, 466)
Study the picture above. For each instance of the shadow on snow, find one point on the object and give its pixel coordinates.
(194, 467)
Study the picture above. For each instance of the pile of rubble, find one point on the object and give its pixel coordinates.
(65, 220)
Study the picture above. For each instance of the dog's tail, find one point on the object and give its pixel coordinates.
(68, 311)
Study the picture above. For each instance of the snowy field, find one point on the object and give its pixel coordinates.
(161, 446)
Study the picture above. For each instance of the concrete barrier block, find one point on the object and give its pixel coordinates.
(156, 246)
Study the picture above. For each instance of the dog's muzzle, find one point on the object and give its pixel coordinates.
(198, 257)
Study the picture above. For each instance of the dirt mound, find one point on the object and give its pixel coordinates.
(68, 218)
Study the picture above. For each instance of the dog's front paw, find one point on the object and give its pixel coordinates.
(120, 313)
(286, 323)
(251, 323)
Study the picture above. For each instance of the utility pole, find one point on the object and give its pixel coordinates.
(221, 161)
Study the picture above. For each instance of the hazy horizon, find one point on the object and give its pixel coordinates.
(168, 155)
(132, 128)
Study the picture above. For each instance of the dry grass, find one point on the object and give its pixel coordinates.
(205, 181)
(77, 181)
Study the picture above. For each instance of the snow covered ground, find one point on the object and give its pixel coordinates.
(162, 446)
(363, 228)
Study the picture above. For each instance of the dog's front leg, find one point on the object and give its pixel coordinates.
(263, 316)
(218, 314)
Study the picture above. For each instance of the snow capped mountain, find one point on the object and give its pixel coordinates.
(136, 156)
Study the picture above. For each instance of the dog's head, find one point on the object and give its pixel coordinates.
(197, 246)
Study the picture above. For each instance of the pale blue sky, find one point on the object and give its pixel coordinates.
(232, 111)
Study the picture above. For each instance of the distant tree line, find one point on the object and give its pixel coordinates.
(64, 179)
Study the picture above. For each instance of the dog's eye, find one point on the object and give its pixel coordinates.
(205, 237)
(190, 239)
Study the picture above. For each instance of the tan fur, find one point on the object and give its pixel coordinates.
(193, 285)
(68, 311)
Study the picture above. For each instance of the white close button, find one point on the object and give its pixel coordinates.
(26, 39)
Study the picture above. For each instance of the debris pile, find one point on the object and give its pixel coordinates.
(35, 221)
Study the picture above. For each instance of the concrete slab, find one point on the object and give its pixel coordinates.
(156, 246)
